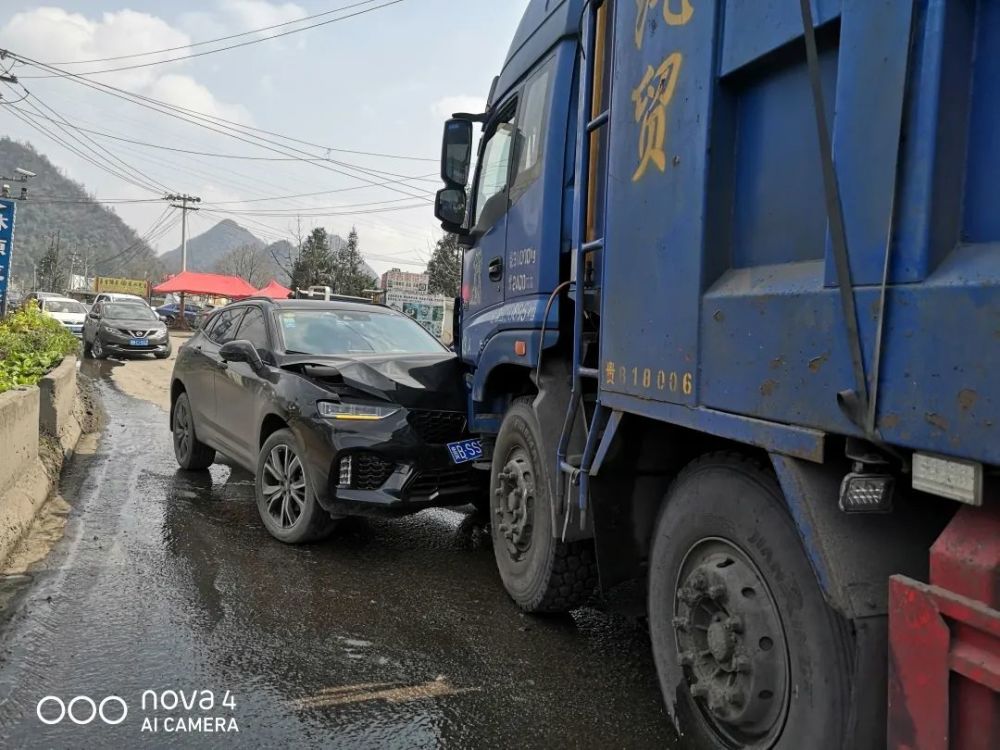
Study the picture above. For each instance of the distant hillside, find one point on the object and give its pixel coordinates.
(92, 237)
(205, 250)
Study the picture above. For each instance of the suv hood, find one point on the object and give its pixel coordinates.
(134, 325)
(423, 381)
(69, 318)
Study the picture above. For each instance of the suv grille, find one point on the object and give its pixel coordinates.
(370, 471)
(437, 426)
(426, 483)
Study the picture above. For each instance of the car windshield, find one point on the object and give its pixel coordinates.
(63, 306)
(127, 311)
(333, 332)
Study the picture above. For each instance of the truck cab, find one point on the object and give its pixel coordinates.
(514, 214)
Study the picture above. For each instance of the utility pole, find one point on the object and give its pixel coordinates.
(184, 207)
(183, 200)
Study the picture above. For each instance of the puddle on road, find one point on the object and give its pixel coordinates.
(45, 531)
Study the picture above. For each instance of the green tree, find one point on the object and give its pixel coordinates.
(314, 265)
(52, 275)
(350, 275)
(444, 270)
(248, 262)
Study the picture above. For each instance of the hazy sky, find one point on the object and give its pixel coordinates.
(380, 82)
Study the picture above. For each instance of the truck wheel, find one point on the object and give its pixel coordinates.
(540, 573)
(748, 653)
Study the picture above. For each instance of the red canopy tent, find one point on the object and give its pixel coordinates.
(214, 284)
(274, 290)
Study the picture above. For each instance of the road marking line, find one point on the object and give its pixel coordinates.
(340, 696)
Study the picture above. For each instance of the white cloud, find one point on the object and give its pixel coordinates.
(237, 16)
(446, 107)
(255, 14)
(53, 34)
(184, 91)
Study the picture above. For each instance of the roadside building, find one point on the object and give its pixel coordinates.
(396, 280)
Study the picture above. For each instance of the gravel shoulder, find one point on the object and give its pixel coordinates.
(147, 378)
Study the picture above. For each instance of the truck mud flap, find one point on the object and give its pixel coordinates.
(944, 642)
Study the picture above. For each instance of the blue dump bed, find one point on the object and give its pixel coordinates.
(719, 283)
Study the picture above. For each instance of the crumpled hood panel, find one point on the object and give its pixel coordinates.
(423, 381)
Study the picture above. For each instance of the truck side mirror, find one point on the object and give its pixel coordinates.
(456, 152)
(449, 208)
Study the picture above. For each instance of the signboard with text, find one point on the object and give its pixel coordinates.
(7, 210)
(431, 311)
(139, 287)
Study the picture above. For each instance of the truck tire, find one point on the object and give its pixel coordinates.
(540, 573)
(747, 650)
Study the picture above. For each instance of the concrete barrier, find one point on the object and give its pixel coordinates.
(18, 432)
(58, 405)
(24, 484)
(26, 479)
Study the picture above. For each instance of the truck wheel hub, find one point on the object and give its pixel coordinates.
(731, 644)
(514, 498)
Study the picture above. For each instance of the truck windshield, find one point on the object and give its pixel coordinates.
(333, 332)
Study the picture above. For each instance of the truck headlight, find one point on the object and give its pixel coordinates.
(355, 412)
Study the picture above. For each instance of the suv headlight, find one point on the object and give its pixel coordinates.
(356, 412)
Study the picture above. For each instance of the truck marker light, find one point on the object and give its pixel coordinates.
(866, 493)
(948, 477)
(520, 348)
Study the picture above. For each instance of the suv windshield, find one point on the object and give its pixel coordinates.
(333, 332)
(62, 306)
(127, 311)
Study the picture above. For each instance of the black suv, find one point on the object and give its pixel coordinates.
(338, 408)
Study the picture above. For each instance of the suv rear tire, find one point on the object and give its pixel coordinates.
(285, 500)
(191, 453)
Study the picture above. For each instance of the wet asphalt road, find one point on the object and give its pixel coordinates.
(394, 633)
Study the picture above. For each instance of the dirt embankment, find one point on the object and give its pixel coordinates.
(148, 378)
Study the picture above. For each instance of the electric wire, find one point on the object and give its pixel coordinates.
(212, 41)
(228, 47)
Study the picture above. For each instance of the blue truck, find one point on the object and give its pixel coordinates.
(731, 321)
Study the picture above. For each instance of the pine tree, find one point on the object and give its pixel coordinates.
(314, 265)
(350, 275)
(52, 275)
(444, 270)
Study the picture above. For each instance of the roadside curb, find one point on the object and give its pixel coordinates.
(42, 426)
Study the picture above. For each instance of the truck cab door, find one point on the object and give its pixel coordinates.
(483, 266)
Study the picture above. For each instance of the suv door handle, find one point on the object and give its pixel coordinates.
(496, 269)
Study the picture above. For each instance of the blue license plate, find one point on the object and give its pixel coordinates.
(138, 342)
(466, 450)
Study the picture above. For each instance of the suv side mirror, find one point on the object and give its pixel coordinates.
(241, 351)
(456, 152)
(449, 208)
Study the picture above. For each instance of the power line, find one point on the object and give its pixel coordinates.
(264, 143)
(63, 123)
(231, 46)
(243, 157)
(213, 41)
(97, 85)
(103, 167)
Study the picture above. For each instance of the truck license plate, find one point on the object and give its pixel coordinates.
(138, 342)
(465, 450)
